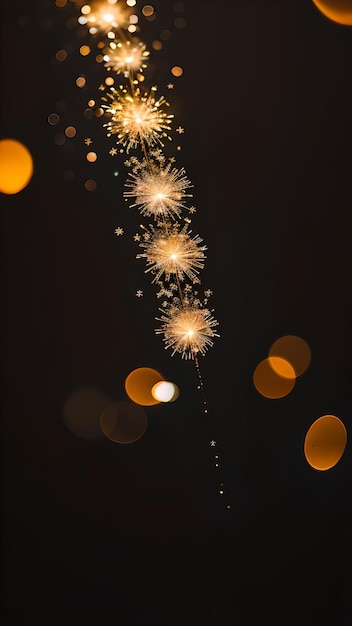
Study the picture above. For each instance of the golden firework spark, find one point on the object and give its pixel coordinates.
(173, 253)
(188, 330)
(159, 191)
(104, 17)
(126, 57)
(137, 119)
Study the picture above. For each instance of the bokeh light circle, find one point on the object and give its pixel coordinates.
(139, 384)
(338, 11)
(294, 350)
(325, 442)
(165, 391)
(269, 383)
(123, 422)
(82, 410)
(16, 166)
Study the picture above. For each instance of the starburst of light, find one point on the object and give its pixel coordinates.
(173, 253)
(137, 119)
(105, 16)
(188, 330)
(126, 56)
(159, 191)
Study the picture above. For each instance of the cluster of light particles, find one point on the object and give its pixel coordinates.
(139, 122)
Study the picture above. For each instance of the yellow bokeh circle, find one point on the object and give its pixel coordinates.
(16, 166)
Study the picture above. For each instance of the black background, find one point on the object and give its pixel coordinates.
(101, 533)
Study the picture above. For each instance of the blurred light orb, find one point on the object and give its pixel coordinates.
(123, 422)
(325, 442)
(269, 383)
(165, 391)
(139, 384)
(282, 367)
(339, 11)
(82, 410)
(294, 350)
(16, 166)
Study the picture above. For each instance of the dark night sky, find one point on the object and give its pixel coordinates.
(101, 533)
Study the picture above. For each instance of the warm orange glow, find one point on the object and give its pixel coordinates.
(269, 383)
(295, 350)
(325, 442)
(16, 166)
(123, 422)
(139, 384)
(339, 11)
(176, 70)
(282, 367)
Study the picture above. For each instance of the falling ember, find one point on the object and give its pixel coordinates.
(137, 119)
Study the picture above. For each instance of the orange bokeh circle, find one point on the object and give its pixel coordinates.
(338, 11)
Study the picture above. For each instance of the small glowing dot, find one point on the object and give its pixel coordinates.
(100, 45)
(116, 173)
(80, 81)
(99, 58)
(131, 3)
(221, 492)
(99, 112)
(133, 19)
(91, 103)
(148, 10)
(88, 113)
(157, 45)
(180, 22)
(91, 157)
(176, 70)
(90, 185)
(109, 81)
(84, 50)
(132, 28)
(165, 34)
(70, 131)
(85, 10)
(61, 55)
(53, 119)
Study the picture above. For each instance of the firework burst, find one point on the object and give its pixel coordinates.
(103, 17)
(173, 253)
(126, 57)
(188, 330)
(159, 191)
(137, 119)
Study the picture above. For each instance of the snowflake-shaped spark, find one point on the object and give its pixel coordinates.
(126, 56)
(159, 191)
(173, 253)
(105, 16)
(137, 119)
(187, 330)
